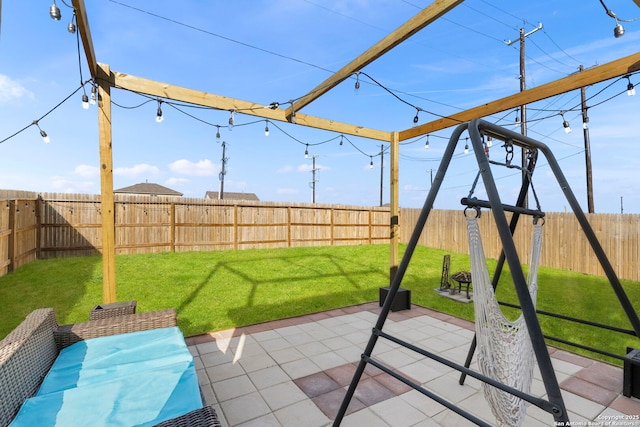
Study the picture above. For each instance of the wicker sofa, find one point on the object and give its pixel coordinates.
(28, 352)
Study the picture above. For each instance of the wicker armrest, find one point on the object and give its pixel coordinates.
(66, 335)
(203, 417)
(26, 355)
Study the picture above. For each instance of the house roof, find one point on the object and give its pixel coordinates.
(148, 188)
(232, 196)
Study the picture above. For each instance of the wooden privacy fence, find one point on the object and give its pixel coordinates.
(564, 244)
(60, 225)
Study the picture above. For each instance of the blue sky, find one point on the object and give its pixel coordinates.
(277, 51)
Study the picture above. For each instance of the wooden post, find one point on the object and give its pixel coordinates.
(394, 208)
(106, 186)
(172, 227)
(11, 244)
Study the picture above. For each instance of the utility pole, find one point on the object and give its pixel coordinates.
(587, 148)
(381, 171)
(223, 171)
(523, 87)
(312, 184)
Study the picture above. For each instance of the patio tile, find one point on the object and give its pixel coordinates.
(233, 387)
(396, 386)
(328, 360)
(255, 363)
(330, 403)
(268, 420)
(397, 412)
(364, 417)
(224, 371)
(342, 374)
(304, 413)
(586, 389)
(244, 408)
(300, 368)
(603, 375)
(268, 377)
(281, 395)
(626, 405)
(371, 392)
(286, 355)
(316, 384)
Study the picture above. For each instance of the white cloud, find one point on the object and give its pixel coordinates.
(286, 191)
(87, 171)
(59, 183)
(137, 170)
(199, 168)
(285, 169)
(177, 182)
(10, 90)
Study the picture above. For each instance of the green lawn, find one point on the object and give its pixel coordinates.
(219, 290)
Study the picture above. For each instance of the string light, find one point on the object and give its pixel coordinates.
(371, 162)
(631, 90)
(466, 148)
(231, 120)
(43, 134)
(565, 124)
(54, 11)
(85, 101)
(266, 128)
(341, 140)
(306, 152)
(426, 145)
(293, 119)
(92, 100)
(72, 25)
(357, 86)
(489, 141)
(159, 117)
(217, 133)
(416, 118)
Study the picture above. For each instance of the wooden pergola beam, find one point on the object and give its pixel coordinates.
(617, 68)
(177, 93)
(406, 30)
(85, 35)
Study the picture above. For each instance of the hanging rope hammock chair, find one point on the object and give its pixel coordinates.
(505, 352)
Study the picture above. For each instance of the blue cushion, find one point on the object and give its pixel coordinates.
(136, 379)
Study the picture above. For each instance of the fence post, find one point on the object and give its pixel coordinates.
(172, 221)
(11, 245)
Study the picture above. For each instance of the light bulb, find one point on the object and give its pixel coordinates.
(45, 137)
(85, 101)
(54, 12)
(426, 145)
(92, 100)
(416, 118)
(71, 27)
(306, 152)
(341, 141)
(218, 134)
(618, 31)
(159, 117)
(266, 129)
(466, 148)
(231, 121)
(489, 141)
(371, 164)
(631, 90)
(567, 128)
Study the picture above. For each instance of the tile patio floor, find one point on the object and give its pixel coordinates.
(294, 373)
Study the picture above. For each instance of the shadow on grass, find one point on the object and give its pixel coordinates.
(261, 288)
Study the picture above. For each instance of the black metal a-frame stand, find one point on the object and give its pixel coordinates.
(477, 130)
